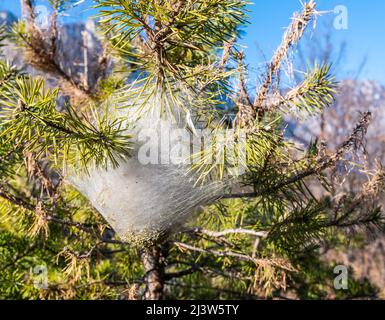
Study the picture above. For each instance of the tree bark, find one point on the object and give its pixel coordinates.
(153, 259)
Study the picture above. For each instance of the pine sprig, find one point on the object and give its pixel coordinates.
(232, 153)
(10, 155)
(29, 116)
(301, 228)
(315, 93)
(175, 45)
(194, 26)
(8, 73)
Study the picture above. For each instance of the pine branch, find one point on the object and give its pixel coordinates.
(41, 55)
(301, 228)
(8, 73)
(54, 31)
(230, 254)
(29, 115)
(316, 92)
(291, 38)
(171, 43)
(220, 234)
(353, 142)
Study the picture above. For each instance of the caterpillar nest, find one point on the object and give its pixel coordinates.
(145, 197)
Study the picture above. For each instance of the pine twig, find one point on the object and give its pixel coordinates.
(354, 141)
(219, 234)
(291, 38)
(231, 254)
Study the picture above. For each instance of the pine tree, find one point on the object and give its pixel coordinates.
(259, 238)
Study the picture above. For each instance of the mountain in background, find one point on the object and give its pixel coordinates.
(7, 17)
(73, 38)
(353, 98)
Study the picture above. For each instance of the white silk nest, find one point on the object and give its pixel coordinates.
(143, 201)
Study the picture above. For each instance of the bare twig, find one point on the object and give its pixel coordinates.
(85, 59)
(354, 141)
(42, 55)
(218, 234)
(53, 38)
(291, 37)
(27, 8)
(231, 254)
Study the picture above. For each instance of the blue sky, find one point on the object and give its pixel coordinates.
(365, 36)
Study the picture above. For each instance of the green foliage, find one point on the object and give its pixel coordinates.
(316, 92)
(261, 240)
(8, 74)
(174, 45)
(233, 152)
(186, 30)
(29, 116)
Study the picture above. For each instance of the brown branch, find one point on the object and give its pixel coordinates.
(201, 267)
(219, 234)
(245, 105)
(49, 216)
(85, 59)
(103, 62)
(354, 141)
(53, 37)
(16, 200)
(231, 254)
(42, 55)
(46, 63)
(226, 53)
(291, 37)
(237, 293)
(27, 8)
(35, 169)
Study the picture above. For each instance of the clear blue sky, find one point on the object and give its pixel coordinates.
(365, 35)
